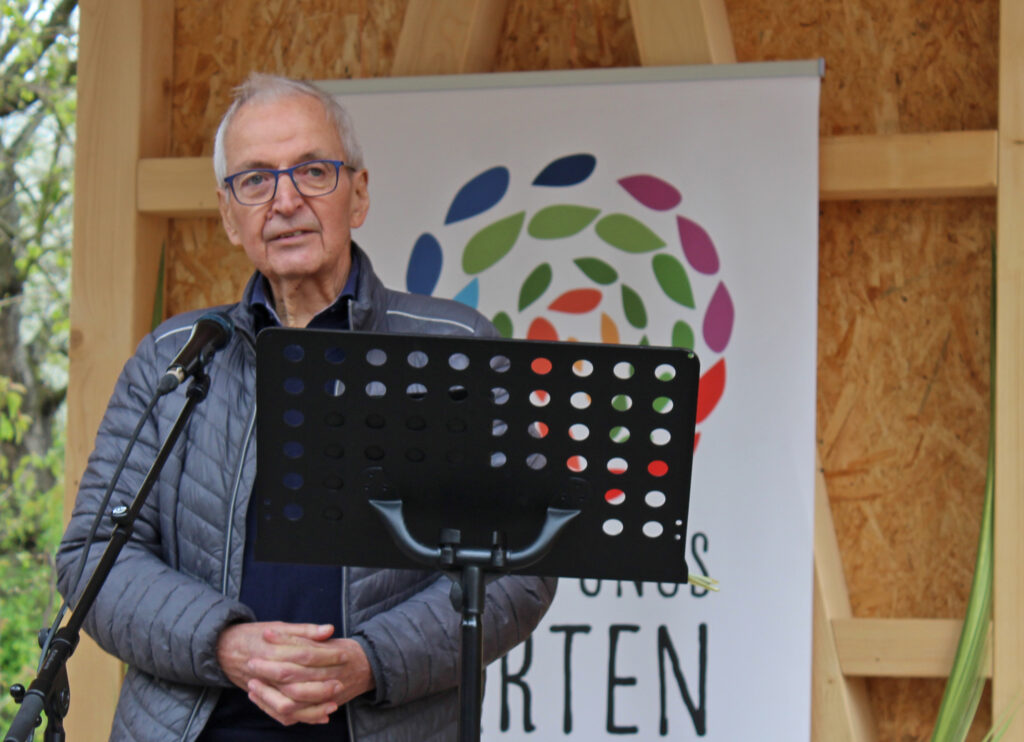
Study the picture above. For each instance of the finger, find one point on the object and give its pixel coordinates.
(312, 654)
(278, 672)
(312, 693)
(278, 632)
(287, 710)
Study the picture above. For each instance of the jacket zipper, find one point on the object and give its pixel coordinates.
(229, 531)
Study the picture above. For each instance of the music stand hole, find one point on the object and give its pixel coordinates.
(292, 480)
(293, 450)
(619, 434)
(622, 402)
(655, 499)
(334, 387)
(416, 423)
(583, 368)
(376, 389)
(580, 400)
(500, 364)
(612, 527)
(458, 393)
(415, 455)
(623, 370)
(335, 355)
(293, 418)
(498, 459)
(536, 461)
(294, 385)
(660, 436)
(293, 353)
(458, 361)
(615, 497)
(417, 359)
(539, 398)
(293, 511)
(617, 465)
(376, 357)
(416, 391)
(537, 429)
(498, 428)
(665, 372)
(653, 529)
(579, 432)
(540, 366)
(374, 453)
(657, 468)
(576, 464)
(375, 420)
(499, 395)
(662, 405)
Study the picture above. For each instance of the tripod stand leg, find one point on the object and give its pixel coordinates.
(471, 687)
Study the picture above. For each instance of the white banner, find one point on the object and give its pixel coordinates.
(660, 211)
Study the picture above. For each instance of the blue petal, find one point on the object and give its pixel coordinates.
(470, 295)
(479, 194)
(567, 171)
(424, 265)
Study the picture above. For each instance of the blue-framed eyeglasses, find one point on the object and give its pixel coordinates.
(313, 178)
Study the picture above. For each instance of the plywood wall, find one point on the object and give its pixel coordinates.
(903, 340)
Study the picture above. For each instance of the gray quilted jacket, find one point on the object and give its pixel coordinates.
(175, 585)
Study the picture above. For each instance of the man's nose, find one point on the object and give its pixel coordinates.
(287, 198)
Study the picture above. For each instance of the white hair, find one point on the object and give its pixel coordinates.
(259, 87)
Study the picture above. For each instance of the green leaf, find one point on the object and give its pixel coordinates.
(561, 220)
(597, 270)
(492, 243)
(535, 284)
(682, 335)
(633, 306)
(503, 323)
(673, 280)
(628, 234)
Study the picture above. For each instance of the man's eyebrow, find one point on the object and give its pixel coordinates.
(264, 165)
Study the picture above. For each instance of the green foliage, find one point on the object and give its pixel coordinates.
(38, 54)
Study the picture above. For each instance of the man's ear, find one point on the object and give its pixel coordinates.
(226, 217)
(359, 198)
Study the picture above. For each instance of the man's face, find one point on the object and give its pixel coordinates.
(292, 237)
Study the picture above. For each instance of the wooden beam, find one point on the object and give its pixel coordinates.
(124, 74)
(852, 167)
(957, 163)
(899, 647)
(840, 708)
(1008, 595)
(176, 186)
(682, 32)
(439, 38)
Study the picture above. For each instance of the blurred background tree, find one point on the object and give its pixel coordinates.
(38, 53)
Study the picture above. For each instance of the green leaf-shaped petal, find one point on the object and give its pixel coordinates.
(682, 335)
(535, 284)
(673, 280)
(633, 306)
(628, 234)
(492, 243)
(561, 220)
(503, 323)
(597, 270)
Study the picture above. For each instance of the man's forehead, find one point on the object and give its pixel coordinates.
(293, 122)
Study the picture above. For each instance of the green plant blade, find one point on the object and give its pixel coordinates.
(561, 220)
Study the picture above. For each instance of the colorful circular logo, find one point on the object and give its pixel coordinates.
(559, 270)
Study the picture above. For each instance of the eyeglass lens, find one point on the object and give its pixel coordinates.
(310, 178)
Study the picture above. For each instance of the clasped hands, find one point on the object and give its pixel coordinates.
(294, 672)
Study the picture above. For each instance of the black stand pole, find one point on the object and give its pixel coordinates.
(49, 692)
(468, 568)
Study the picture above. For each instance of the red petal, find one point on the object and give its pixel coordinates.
(541, 329)
(577, 301)
(712, 384)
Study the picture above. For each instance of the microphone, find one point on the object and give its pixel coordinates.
(210, 333)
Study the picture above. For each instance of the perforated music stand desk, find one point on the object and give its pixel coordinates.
(474, 456)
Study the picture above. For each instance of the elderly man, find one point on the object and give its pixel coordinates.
(220, 646)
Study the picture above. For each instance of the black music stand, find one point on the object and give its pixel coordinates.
(474, 456)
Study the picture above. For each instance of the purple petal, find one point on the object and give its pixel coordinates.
(654, 193)
(718, 319)
(697, 246)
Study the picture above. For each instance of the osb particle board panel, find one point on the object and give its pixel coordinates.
(904, 286)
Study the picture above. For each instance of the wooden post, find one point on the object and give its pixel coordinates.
(449, 37)
(124, 83)
(1008, 596)
(682, 32)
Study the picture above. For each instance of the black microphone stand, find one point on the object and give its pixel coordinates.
(50, 692)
